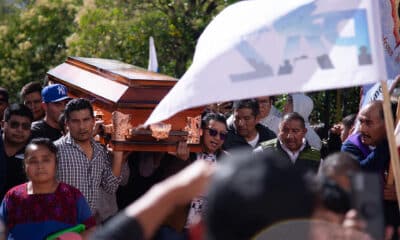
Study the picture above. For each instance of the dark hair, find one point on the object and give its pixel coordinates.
(340, 163)
(77, 104)
(4, 93)
(19, 110)
(45, 142)
(248, 103)
(349, 120)
(252, 192)
(206, 118)
(29, 88)
(289, 99)
(61, 122)
(294, 116)
(333, 197)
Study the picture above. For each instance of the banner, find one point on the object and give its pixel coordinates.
(373, 92)
(257, 48)
(390, 20)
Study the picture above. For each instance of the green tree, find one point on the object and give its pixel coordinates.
(34, 41)
(121, 29)
(332, 105)
(38, 35)
(8, 8)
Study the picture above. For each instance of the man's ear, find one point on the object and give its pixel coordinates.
(44, 106)
(201, 132)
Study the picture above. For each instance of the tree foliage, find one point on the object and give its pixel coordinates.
(331, 106)
(10, 8)
(34, 41)
(121, 29)
(38, 35)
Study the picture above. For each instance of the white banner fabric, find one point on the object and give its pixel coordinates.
(258, 48)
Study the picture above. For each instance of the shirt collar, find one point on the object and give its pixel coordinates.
(69, 139)
(293, 155)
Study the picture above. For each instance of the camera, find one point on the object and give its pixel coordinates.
(367, 199)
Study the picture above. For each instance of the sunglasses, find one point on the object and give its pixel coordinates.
(15, 125)
(214, 133)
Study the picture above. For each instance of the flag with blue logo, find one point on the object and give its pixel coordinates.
(257, 48)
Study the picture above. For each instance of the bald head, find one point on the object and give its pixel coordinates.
(374, 106)
(372, 123)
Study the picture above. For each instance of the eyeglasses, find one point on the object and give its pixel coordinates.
(214, 133)
(15, 125)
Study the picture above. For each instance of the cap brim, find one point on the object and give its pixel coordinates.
(61, 99)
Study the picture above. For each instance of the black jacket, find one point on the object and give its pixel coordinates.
(235, 141)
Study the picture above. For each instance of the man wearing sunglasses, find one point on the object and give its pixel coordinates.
(214, 132)
(16, 132)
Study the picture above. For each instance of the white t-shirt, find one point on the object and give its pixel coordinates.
(254, 142)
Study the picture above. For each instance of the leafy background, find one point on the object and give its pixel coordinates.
(36, 36)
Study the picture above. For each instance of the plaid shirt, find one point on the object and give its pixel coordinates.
(87, 175)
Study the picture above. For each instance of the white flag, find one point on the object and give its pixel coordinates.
(374, 92)
(390, 19)
(153, 63)
(257, 48)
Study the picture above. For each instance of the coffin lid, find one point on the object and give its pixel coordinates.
(108, 79)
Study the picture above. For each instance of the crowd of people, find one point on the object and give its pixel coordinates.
(261, 173)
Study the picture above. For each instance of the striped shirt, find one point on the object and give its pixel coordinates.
(88, 175)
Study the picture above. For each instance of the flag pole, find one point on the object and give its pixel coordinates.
(390, 178)
(394, 157)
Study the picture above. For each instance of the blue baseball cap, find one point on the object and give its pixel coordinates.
(55, 93)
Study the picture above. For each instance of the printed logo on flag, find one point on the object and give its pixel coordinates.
(309, 36)
(260, 48)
